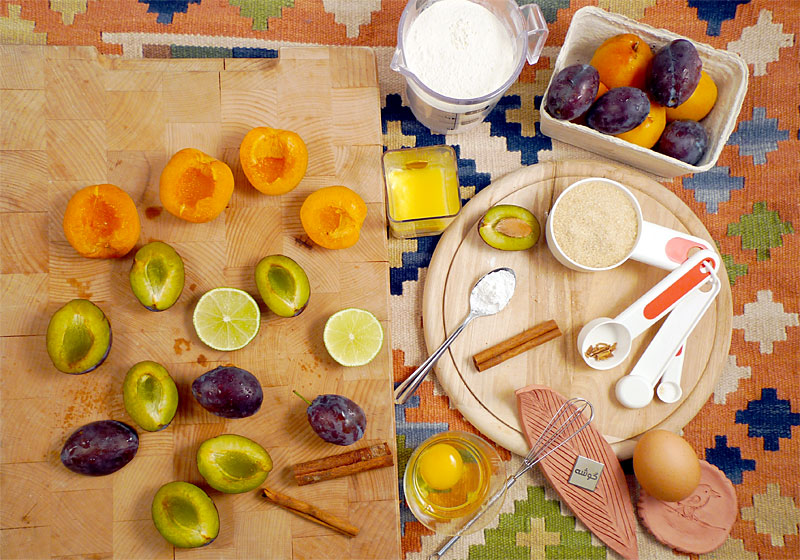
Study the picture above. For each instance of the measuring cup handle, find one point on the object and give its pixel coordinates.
(664, 296)
(664, 247)
(536, 28)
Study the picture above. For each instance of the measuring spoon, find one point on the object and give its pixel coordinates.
(480, 305)
(645, 311)
(635, 390)
(669, 389)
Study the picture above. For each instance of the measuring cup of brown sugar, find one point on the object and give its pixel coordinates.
(596, 224)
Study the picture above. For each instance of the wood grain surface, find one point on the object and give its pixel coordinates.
(71, 119)
(547, 290)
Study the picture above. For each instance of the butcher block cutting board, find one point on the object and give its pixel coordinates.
(547, 290)
(71, 118)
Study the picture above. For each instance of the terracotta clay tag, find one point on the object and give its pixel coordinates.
(697, 524)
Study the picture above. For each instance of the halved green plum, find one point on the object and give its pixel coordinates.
(157, 276)
(185, 515)
(233, 464)
(509, 227)
(283, 285)
(78, 337)
(150, 396)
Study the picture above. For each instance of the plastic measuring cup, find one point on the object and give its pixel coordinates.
(655, 245)
(645, 311)
(443, 114)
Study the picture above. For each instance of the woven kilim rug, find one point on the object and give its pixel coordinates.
(749, 202)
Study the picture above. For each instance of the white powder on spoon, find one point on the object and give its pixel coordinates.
(493, 292)
(459, 49)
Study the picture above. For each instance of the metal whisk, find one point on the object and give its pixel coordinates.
(552, 437)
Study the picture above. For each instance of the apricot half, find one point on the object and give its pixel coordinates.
(273, 160)
(78, 337)
(195, 186)
(101, 222)
(332, 216)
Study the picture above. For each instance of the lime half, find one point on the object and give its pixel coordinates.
(226, 318)
(353, 336)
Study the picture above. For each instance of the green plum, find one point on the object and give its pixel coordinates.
(233, 464)
(185, 515)
(157, 276)
(78, 337)
(283, 285)
(509, 227)
(150, 396)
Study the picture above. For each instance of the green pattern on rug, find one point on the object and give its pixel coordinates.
(260, 10)
(403, 454)
(522, 535)
(189, 51)
(734, 269)
(762, 230)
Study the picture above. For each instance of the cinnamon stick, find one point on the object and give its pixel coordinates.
(312, 513)
(344, 464)
(534, 336)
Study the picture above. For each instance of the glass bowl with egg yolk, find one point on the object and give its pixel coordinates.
(449, 479)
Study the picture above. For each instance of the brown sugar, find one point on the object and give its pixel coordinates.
(595, 224)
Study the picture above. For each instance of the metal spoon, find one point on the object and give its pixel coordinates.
(479, 306)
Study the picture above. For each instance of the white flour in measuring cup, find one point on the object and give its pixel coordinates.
(460, 49)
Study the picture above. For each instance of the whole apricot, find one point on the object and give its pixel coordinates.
(195, 186)
(332, 216)
(699, 103)
(101, 221)
(622, 60)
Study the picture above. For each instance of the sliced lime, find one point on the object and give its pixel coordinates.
(226, 318)
(353, 336)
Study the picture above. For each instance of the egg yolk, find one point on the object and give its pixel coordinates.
(441, 466)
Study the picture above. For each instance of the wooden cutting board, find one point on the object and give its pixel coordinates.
(71, 118)
(547, 290)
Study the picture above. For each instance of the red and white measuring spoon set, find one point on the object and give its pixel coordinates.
(685, 294)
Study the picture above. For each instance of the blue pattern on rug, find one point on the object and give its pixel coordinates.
(770, 418)
(758, 136)
(515, 142)
(713, 187)
(729, 459)
(412, 262)
(166, 9)
(715, 12)
(253, 52)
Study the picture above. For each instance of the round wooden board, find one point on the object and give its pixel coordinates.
(547, 290)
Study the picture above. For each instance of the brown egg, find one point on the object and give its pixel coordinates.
(666, 466)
